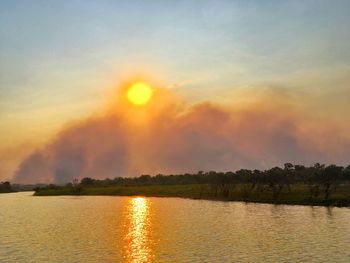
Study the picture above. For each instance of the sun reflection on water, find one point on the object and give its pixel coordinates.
(138, 230)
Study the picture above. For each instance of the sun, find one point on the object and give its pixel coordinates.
(139, 93)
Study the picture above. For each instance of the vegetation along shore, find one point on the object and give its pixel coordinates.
(292, 184)
(6, 187)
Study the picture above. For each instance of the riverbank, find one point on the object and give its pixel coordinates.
(298, 195)
(8, 191)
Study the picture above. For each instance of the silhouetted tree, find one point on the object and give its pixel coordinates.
(5, 187)
(329, 178)
(87, 181)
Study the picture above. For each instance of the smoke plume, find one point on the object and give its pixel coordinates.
(167, 136)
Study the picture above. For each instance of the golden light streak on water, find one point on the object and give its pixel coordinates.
(138, 231)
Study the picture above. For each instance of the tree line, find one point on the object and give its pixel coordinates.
(321, 180)
(5, 187)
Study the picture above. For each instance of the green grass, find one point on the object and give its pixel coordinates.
(299, 194)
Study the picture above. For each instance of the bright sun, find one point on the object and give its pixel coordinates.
(139, 93)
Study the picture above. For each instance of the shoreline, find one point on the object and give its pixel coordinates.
(212, 199)
(198, 192)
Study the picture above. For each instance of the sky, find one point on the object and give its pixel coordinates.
(62, 62)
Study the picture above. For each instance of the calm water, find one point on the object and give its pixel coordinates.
(127, 229)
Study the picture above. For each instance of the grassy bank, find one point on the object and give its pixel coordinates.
(297, 195)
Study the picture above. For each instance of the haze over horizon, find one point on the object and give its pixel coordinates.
(237, 84)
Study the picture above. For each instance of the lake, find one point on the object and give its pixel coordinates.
(137, 229)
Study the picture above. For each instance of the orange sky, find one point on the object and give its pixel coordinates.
(277, 74)
(266, 127)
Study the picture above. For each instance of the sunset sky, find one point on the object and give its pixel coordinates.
(237, 84)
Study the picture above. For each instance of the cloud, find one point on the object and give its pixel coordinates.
(169, 136)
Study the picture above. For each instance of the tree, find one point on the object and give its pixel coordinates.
(5, 187)
(87, 181)
(276, 181)
(331, 175)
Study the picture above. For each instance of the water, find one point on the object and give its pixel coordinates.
(136, 229)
